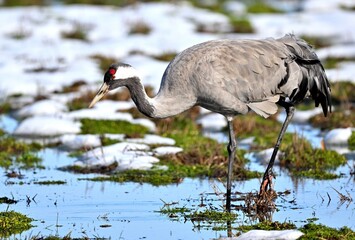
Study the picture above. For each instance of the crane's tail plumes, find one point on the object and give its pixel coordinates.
(314, 77)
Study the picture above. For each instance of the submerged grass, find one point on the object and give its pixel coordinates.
(14, 153)
(13, 223)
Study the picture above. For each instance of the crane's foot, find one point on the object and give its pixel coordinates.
(267, 184)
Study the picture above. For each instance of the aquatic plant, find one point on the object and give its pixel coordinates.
(13, 222)
(18, 154)
(268, 225)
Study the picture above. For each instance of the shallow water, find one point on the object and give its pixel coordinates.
(129, 210)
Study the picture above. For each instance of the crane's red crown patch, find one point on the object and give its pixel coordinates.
(112, 71)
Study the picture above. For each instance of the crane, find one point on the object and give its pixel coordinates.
(232, 77)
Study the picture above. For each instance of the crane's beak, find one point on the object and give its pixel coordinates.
(102, 92)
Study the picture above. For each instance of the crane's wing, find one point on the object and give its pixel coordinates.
(250, 70)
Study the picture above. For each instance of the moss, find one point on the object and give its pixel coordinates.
(214, 6)
(15, 153)
(5, 107)
(351, 141)
(240, 24)
(268, 225)
(262, 7)
(319, 231)
(15, 3)
(304, 161)
(91, 126)
(12, 223)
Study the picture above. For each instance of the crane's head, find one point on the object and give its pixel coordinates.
(115, 77)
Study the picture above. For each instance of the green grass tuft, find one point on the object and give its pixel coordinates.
(91, 126)
(15, 153)
(262, 7)
(302, 160)
(319, 231)
(13, 223)
(351, 141)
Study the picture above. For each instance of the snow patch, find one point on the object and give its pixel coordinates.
(338, 136)
(47, 126)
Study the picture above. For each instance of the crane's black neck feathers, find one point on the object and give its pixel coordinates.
(139, 96)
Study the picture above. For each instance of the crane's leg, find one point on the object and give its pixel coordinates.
(232, 146)
(268, 175)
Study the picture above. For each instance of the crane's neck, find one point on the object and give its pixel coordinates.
(161, 106)
(143, 102)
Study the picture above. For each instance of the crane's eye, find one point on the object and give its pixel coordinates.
(112, 71)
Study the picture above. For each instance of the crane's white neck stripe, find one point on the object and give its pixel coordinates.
(125, 73)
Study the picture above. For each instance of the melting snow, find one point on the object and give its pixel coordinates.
(47, 126)
(338, 136)
(72, 141)
(274, 234)
(43, 107)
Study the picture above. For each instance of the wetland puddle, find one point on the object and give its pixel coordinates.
(82, 208)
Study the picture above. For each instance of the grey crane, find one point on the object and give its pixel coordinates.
(232, 77)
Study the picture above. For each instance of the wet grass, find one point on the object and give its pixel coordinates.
(74, 87)
(5, 107)
(104, 61)
(139, 27)
(317, 41)
(201, 215)
(241, 24)
(16, 154)
(259, 6)
(339, 118)
(13, 223)
(342, 92)
(92, 126)
(351, 141)
(15, 3)
(201, 150)
(268, 225)
(333, 62)
(79, 32)
(319, 231)
(264, 131)
(51, 182)
(302, 160)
